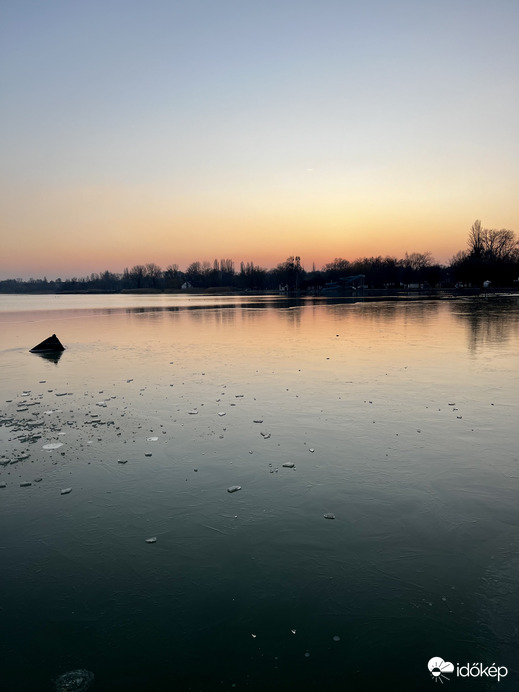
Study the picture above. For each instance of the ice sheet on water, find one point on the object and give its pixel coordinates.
(74, 681)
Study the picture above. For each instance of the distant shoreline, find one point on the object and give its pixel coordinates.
(359, 294)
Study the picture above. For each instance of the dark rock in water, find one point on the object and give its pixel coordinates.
(75, 681)
(51, 344)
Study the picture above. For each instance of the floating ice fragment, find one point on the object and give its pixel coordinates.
(122, 461)
(254, 636)
(53, 445)
(151, 439)
(66, 491)
(153, 539)
(257, 421)
(336, 638)
(311, 450)
(3, 484)
(75, 681)
(22, 409)
(289, 464)
(234, 488)
(221, 413)
(193, 412)
(25, 484)
(265, 436)
(329, 515)
(293, 631)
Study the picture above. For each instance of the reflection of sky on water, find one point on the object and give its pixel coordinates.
(414, 453)
(270, 320)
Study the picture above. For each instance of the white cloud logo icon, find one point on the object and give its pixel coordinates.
(437, 667)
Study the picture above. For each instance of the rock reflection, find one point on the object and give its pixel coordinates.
(52, 356)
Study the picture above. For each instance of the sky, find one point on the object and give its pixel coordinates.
(169, 131)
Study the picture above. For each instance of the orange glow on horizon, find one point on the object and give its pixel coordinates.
(81, 231)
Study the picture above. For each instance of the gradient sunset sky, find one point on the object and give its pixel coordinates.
(163, 131)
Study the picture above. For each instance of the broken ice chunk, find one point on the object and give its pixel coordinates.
(75, 681)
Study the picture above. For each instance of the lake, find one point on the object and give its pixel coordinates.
(377, 521)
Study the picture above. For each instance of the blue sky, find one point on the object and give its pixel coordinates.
(168, 132)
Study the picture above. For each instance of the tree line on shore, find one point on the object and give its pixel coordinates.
(491, 255)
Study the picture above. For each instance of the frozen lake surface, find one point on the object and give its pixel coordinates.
(167, 485)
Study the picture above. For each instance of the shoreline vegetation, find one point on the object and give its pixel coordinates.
(490, 264)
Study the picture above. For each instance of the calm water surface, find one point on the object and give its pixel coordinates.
(401, 421)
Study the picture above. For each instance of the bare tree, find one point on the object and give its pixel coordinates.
(418, 260)
(137, 274)
(501, 246)
(492, 245)
(153, 274)
(475, 241)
